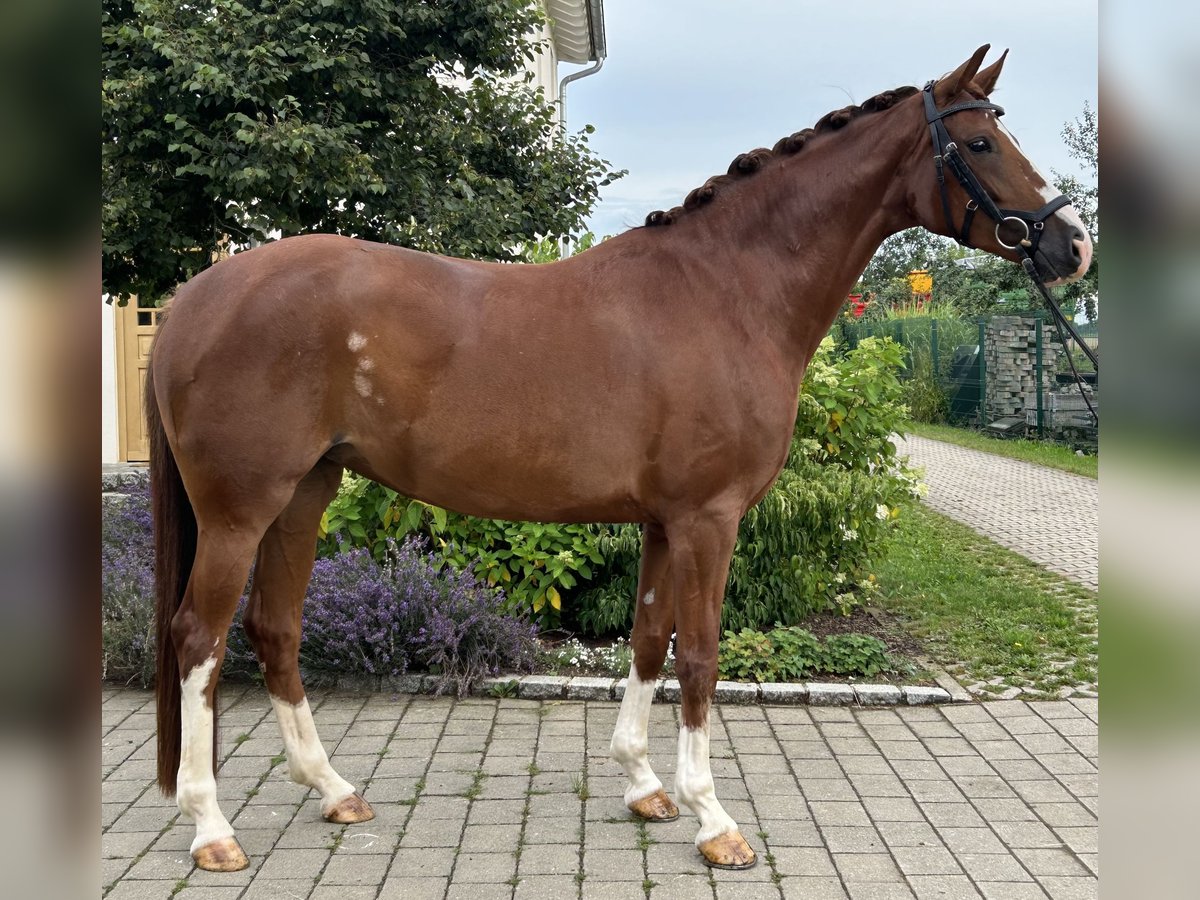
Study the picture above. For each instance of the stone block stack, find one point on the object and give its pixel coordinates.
(1010, 354)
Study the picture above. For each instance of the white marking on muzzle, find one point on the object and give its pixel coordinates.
(1068, 213)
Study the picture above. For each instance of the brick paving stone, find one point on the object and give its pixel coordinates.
(545, 887)
(811, 888)
(876, 890)
(469, 891)
(852, 802)
(943, 887)
(413, 888)
(1010, 890)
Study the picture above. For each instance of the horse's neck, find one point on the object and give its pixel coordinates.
(801, 231)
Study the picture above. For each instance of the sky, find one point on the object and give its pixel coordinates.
(689, 84)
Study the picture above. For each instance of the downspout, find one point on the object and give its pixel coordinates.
(595, 11)
(574, 76)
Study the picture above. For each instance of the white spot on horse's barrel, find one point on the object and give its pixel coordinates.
(362, 385)
(649, 598)
(356, 342)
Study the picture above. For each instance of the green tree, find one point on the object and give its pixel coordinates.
(901, 253)
(405, 122)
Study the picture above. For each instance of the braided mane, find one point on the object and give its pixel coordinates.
(749, 163)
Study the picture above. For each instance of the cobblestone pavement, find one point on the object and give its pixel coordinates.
(1046, 515)
(517, 799)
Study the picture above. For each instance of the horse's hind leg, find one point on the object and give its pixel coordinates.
(653, 623)
(285, 561)
(198, 630)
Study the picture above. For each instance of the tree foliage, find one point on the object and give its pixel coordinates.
(407, 122)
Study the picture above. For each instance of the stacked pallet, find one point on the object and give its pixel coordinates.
(1010, 355)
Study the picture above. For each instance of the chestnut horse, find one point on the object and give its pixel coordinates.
(652, 379)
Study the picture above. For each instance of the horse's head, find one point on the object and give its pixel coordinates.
(970, 181)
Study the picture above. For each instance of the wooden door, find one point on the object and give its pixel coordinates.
(135, 327)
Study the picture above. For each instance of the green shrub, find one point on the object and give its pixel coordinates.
(855, 655)
(926, 399)
(792, 653)
(851, 405)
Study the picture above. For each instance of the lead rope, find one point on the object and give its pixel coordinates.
(1061, 320)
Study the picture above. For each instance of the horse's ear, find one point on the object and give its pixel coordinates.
(952, 85)
(986, 78)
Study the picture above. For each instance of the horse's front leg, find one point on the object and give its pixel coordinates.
(653, 623)
(700, 551)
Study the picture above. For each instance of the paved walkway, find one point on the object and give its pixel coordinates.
(517, 799)
(1046, 515)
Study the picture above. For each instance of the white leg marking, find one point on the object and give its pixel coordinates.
(356, 342)
(694, 784)
(307, 762)
(630, 745)
(196, 791)
(649, 598)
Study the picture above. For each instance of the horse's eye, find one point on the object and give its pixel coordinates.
(979, 145)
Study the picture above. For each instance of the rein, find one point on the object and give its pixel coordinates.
(1032, 224)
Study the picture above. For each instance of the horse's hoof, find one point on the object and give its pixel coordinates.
(350, 810)
(728, 851)
(658, 807)
(222, 855)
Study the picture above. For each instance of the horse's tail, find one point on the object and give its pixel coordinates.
(174, 552)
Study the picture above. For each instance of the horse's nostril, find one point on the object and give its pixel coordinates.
(1078, 242)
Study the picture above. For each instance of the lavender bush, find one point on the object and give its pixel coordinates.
(361, 616)
(127, 588)
(384, 618)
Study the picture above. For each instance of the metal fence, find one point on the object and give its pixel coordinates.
(986, 373)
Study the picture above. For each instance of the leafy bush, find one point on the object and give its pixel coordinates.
(926, 399)
(534, 562)
(855, 654)
(852, 404)
(791, 653)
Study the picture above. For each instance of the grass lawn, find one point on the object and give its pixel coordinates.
(989, 615)
(1056, 456)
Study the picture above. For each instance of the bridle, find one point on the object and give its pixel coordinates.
(1031, 225)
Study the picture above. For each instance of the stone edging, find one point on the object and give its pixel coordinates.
(566, 687)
